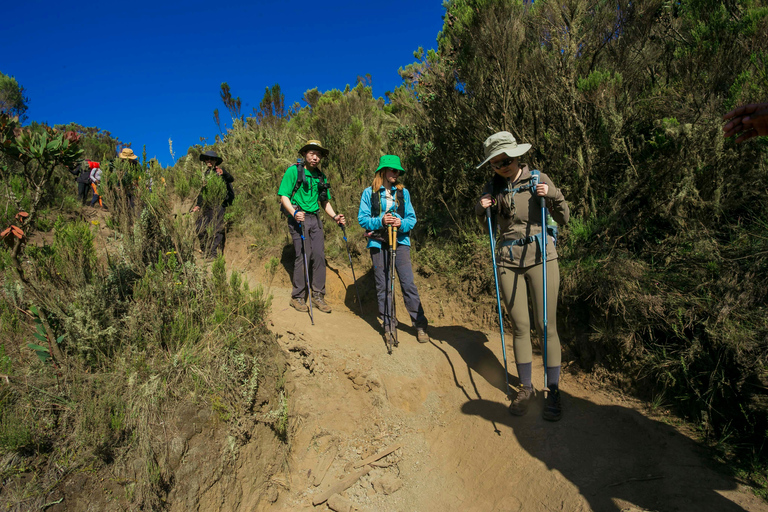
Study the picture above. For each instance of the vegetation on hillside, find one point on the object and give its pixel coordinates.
(664, 264)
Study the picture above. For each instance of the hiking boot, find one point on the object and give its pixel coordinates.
(553, 407)
(319, 302)
(299, 305)
(422, 336)
(519, 405)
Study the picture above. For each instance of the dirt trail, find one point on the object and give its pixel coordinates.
(461, 450)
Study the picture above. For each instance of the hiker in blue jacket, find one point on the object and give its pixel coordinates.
(391, 206)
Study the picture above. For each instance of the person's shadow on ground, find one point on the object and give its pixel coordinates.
(611, 452)
(472, 346)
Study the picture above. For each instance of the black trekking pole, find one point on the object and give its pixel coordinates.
(498, 296)
(393, 264)
(349, 255)
(306, 273)
(544, 274)
(390, 290)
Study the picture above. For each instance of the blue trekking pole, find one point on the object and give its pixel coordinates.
(306, 273)
(544, 272)
(498, 296)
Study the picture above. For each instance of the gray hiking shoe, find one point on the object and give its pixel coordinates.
(299, 305)
(553, 408)
(519, 405)
(319, 302)
(422, 336)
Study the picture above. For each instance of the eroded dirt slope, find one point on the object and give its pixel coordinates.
(442, 406)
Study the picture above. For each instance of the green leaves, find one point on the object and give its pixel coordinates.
(43, 353)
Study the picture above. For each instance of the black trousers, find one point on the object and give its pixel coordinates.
(210, 230)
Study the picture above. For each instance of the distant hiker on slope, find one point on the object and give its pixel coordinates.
(95, 180)
(124, 171)
(82, 173)
(300, 194)
(515, 206)
(390, 205)
(747, 121)
(212, 201)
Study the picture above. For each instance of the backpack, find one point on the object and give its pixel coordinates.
(551, 224)
(380, 235)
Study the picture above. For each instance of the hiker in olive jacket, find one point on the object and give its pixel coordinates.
(517, 211)
(210, 225)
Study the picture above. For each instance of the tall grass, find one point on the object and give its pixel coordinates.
(145, 330)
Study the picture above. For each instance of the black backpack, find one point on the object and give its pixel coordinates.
(380, 235)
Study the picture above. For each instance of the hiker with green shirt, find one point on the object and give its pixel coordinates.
(301, 198)
(514, 197)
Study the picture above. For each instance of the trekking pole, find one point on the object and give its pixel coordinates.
(306, 273)
(390, 299)
(498, 296)
(392, 283)
(349, 255)
(544, 274)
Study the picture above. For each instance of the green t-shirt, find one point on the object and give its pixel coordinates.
(308, 194)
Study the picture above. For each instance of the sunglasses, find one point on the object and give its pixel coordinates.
(504, 163)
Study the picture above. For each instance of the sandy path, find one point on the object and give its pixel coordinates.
(444, 402)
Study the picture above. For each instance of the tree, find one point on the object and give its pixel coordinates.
(232, 104)
(12, 98)
(38, 153)
(98, 145)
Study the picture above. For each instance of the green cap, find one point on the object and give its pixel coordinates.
(392, 162)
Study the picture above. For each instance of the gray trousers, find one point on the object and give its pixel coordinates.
(380, 258)
(516, 285)
(314, 243)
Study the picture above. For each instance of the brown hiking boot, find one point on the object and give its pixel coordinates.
(422, 336)
(319, 302)
(299, 305)
(521, 402)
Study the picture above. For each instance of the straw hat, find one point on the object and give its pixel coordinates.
(127, 153)
(502, 143)
(314, 145)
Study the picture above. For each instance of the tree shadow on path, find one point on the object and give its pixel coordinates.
(615, 453)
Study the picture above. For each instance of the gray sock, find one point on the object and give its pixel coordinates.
(524, 373)
(553, 376)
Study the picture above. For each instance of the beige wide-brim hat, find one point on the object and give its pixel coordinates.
(502, 143)
(127, 153)
(313, 145)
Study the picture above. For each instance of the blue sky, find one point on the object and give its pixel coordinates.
(150, 71)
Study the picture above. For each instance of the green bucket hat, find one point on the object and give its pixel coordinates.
(392, 162)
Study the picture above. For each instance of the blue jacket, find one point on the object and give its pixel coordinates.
(369, 222)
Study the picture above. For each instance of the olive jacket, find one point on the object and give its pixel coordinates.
(519, 236)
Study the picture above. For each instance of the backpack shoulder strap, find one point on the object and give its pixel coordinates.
(400, 200)
(375, 203)
(299, 178)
